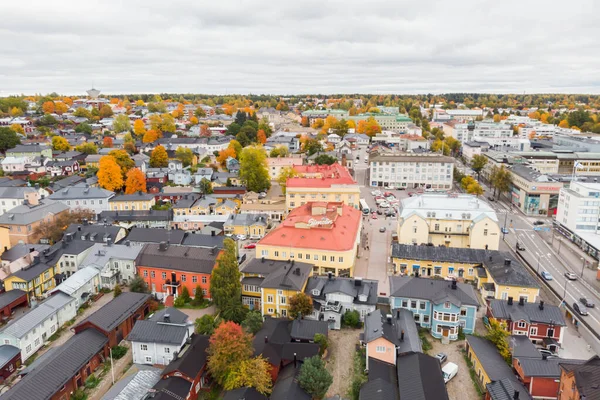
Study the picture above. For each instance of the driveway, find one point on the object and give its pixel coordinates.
(340, 355)
(194, 313)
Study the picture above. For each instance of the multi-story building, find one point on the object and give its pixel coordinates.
(534, 193)
(276, 164)
(438, 305)
(167, 268)
(116, 263)
(457, 114)
(411, 171)
(323, 183)
(392, 122)
(578, 381)
(84, 197)
(481, 130)
(579, 207)
(30, 150)
(454, 220)
(253, 226)
(11, 197)
(323, 234)
(36, 279)
(137, 201)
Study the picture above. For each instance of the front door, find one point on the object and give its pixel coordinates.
(445, 332)
(550, 332)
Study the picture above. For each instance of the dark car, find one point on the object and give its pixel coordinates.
(538, 222)
(491, 198)
(379, 212)
(520, 247)
(586, 302)
(580, 309)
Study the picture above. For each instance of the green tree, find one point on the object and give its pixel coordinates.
(185, 295)
(84, 128)
(117, 291)
(300, 305)
(206, 186)
(498, 335)
(325, 159)
(121, 123)
(185, 155)
(198, 296)
(82, 113)
(8, 139)
(285, 174)
(253, 169)
(205, 325)
(236, 146)
(243, 139)
(225, 286)
(351, 318)
(578, 118)
(500, 179)
(200, 113)
(314, 377)
(322, 341)
(253, 322)
(312, 146)
(280, 151)
(233, 129)
(478, 163)
(139, 285)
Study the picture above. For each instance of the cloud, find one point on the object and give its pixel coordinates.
(308, 46)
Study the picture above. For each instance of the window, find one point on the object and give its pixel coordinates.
(28, 349)
(413, 304)
(422, 305)
(533, 331)
(282, 300)
(37, 341)
(380, 349)
(145, 273)
(167, 350)
(164, 275)
(149, 359)
(323, 258)
(425, 319)
(269, 298)
(204, 292)
(153, 274)
(485, 231)
(204, 279)
(341, 259)
(276, 254)
(332, 258)
(284, 313)
(300, 256)
(269, 311)
(264, 253)
(6, 341)
(404, 303)
(194, 279)
(414, 229)
(521, 324)
(316, 257)
(447, 305)
(143, 347)
(463, 312)
(183, 278)
(470, 272)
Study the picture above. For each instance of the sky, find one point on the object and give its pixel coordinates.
(299, 47)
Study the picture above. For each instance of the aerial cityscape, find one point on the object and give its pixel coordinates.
(296, 201)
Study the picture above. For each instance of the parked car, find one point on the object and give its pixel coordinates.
(570, 276)
(382, 229)
(548, 353)
(374, 216)
(547, 275)
(384, 204)
(449, 371)
(242, 237)
(520, 247)
(442, 357)
(580, 309)
(504, 230)
(390, 214)
(491, 198)
(538, 222)
(586, 302)
(250, 246)
(379, 212)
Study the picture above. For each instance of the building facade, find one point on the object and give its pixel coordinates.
(411, 171)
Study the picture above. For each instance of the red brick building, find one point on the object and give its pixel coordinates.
(541, 375)
(168, 268)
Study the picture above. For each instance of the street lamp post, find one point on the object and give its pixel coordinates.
(504, 229)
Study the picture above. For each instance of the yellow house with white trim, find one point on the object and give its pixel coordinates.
(137, 201)
(35, 280)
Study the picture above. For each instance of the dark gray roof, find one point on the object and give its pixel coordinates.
(280, 274)
(376, 326)
(382, 384)
(502, 389)
(66, 182)
(587, 377)
(172, 388)
(279, 346)
(506, 270)
(521, 346)
(529, 312)
(7, 353)
(94, 232)
(179, 258)
(191, 360)
(244, 393)
(306, 329)
(493, 364)
(49, 377)
(26, 214)
(346, 286)
(8, 297)
(252, 280)
(547, 368)
(109, 316)
(157, 330)
(154, 235)
(434, 290)
(15, 192)
(32, 271)
(140, 196)
(287, 386)
(136, 215)
(201, 240)
(420, 377)
(21, 250)
(11, 182)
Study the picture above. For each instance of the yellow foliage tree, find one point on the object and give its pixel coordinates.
(139, 128)
(544, 118)
(534, 115)
(135, 182)
(48, 107)
(140, 103)
(563, 124)
(17, 128)
(109, 174)
(318, 123)
(369, 127)
(59, 143)
(253, 372)
(351, 124)
(329, 123)
(194, 121)
(497, 118)
(150, 136)
(159, 157)
(16, 112)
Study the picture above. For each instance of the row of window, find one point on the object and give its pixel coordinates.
(183, 276)
(272, 311)
(282, 299)
(305, 256)
(84, 202)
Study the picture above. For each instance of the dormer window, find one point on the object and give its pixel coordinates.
(316, 292)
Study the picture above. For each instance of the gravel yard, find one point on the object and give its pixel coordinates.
(340, 359)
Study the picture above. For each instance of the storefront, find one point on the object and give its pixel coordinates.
(533, 193)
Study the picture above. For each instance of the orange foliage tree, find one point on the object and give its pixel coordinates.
(225, 154)
(193, 120)
(60, 108)
(109, 174)
(139, 128)
(369, 127)
(48, 107)
(205, 131)
(304, 122)
(135, 182)
(150, 136)
(159, 157)
(261, 136)
(107, 142)
(563, 124)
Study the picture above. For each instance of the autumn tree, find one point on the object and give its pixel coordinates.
(87, 148)
(236, 146)
(563, 124)
(107, 142)
(17, 128)
(48, 107)
(185, 155)
(369, 127)
(15, 112)
(500, 179)
(228, 346)
(314, 377)
(59, 143)
(53, 229)
(200, 113)
(135, 182)
(121, 123)
(60, 108)
(280, 151)
(300, 305)
(159, 157)
(150, 136)
(304, 122)
(285, 174)
(253, 169)
(8, 139)
(471, 186)
(225, 286)
(252, 372)
(478, 163)
(82, 113)
(261, 136)
(205, 131)
(224, 155)
(498, 335)
(105, 111)
(497, 118)
(205, 186)
(123, 160)
(318, 123)
(109, 174)
(139, 128)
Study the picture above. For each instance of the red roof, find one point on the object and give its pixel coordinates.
(317, 225)
(321, 176)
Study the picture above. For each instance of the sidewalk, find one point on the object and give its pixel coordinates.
(120, 367)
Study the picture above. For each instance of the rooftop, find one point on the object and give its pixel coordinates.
(323, 176)
(420, 377)
(153, 235)
(140, 196)
(116, 311)
(77, 280)
(166, 326)
(288, 275)
(528, 312)
(587, 377)
(447, 206)
(179, 258)
(434, 290)
(80, 192)
(27, 214)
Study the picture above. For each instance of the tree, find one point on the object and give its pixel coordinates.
(228, 345)
(240, 118)
(304, 122)
(253, 322)
(206, 186)
(118, 291)
(312, 146)
(563, 124)
(236, 146)
(205, 325)
(105, 111)
(243, 139)
(123, 160)
(59, 143)
(205, 131)
(8, 139)
(225, 286)
(498, 335)
(198, 296)
(300, 305)
(261, 136)
(48, 107)
(200, 113)
(280, 151)
(500, 179)
(17, 128)
(369, 127)
(150, 136)
(351, 318)
(82, 113)
(325, 159)
(253, 169)
(159, 157)
(440, 145)
(285, 174)
(322, 341)
(471, 186)
(168, 123)
(224, 155)
(53, 229)
(314, 377)
(15, 112)
(135, 182)
(185, 295)
(84, 128)
(121, 123)
(478, 163)
(87, 148)
(185, 155)
(109, 175)
(139, 127)
(497, 118)
(107, 142)
(233, 129)
(578, 118)
(253, 372)
(139, 285)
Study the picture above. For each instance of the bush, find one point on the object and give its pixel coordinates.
(461, 333)
(79, 394)
(351, 318)
(92, 382)
(179, 302)
(139, 285)
(314, 377)
(198, 297)
(253, 322)
(118, 352)
(322, 341)
(358, 374)
(185, 295)
(425, 344)
(118, 291)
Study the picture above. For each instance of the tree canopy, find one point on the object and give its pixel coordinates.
(253, 169)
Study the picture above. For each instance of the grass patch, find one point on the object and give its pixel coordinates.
(31, 359)
(56, 334)
(425, 343)
(92, 382)
(193, 306)
(358, 373)
(472, 373)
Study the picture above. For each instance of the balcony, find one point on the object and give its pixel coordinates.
(169, 282)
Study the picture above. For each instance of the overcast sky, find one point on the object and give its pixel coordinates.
(286, 46)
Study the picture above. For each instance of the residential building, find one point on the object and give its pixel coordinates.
(543, 323)
(31, 330)
(411, 170)
(323, 234)
(139, 201)
(10, 300)
(97, 233)
(326, 183)
(67, 255)
(82, 285)
(454, 220)
(116, 318)
(84, 197)
(142, 236)
(208, 241)
(138, 218)
(269, 284)
(158, 339)
(490, 368)
(457, 114)
(36, 279)
(287, 385)
(466, 132)
(18, 257)
(30, 150)
(13, 164)
(115, 262)
(579, 381)
(382, 381)
(10, 361)
(472, 148)
(23, 220)
(333, 296)
(532, 192)
(11, 197)
(273, 205)
(135, 385)
(420, 377)
(291, 142)
(62, 168)
(253, 226)
(276, 164)
(392, 122)
(168, 268)
(440, 306)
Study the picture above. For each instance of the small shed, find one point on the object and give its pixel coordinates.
(11, 300)
(10, 361)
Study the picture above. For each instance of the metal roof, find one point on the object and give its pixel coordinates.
(7, 353)
(306, 329)
(26, 214)
(116, 311)
(420, 377)
(76, 281)
(154, 235)
(178, 258)
(8, 297)
(191, 359)
(436, 291)
(158, 329)
(529, 312)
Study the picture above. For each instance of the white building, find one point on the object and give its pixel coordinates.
(467, 132)
(411, 171)
(579, 207)
(31, 330)
(156, 340)
(458, 114)
(116, 263)
(11, 197)
(82, 285)
(84, 197)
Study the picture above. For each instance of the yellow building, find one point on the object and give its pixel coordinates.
(496, 274)
(225, 207)
(268, 285)
(137, 201)
(254, 226)
(326, 183)
(451, 220)
(325, 235)
(36, 279)
(4, 239)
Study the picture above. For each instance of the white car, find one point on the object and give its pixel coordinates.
(376, 193)
(242, 237)
(449, 371)
(384, 204)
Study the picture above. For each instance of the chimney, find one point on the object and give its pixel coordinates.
(109, 242)
(541, 306)
(510, 301)
(357, 281)
(516, 395)
(163, 246)
(36, 260)
(453, 285)
(167, 317)
(79, 228)
(389, 318)
(329, 276)
(297, 271)
(521, 301)
(128, 243)
(507, 262)
(295, 361)
(544, 356)
(212, 233)
(266, 339)
(402, 335)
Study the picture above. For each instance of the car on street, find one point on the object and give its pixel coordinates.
(586, 302)
(384, 204)
(504, 230)
(250, 246)
(538, 222)
(491, 198)
(547, 275)
(580, 309)
(442, 357)
(242, 237)
(379, 212)
(382, 229)
(374, 216)
(390, 214)
(520, 247)
(570, 276)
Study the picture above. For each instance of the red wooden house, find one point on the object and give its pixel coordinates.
(541, 376)
(11, 300)
(10, 360)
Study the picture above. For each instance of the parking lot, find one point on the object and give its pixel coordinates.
(461, 386)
